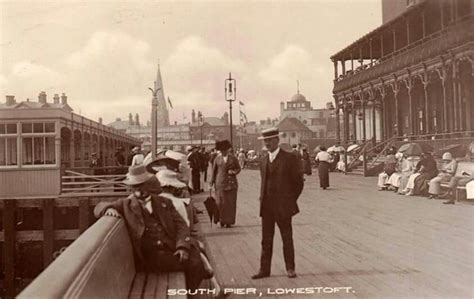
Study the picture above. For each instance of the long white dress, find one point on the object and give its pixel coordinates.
(470, 190)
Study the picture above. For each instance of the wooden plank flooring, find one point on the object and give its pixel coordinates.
(380, 244)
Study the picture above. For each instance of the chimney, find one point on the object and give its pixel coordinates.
(137, 119)
(64, 99)
(56, 98)
(118, 119)
(193, 116)
(130, 119)
(100, 120)
(10, 100)
(42, 97)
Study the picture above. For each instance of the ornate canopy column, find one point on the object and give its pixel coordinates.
(383, 118)
(442, 73)
(425, 80)
(409, 84)
(396, 89)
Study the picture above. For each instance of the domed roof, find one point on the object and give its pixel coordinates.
(298, 98)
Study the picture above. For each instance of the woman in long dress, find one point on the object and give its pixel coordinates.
(322, 159)
(445, 175)
(224, 178)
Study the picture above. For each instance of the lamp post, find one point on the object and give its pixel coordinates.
(230, 96)
(201, 123)
(154, 120)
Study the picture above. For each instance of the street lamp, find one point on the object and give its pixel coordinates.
(230, 96)
(154, 120)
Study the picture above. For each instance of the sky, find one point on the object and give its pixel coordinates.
(104, 54)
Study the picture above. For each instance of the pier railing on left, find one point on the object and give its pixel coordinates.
(35, 230)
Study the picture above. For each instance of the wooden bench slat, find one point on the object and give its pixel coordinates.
(137, 286)
(150, 286)
(162, 287)
(176, 280)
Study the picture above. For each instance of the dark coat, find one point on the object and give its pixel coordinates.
(220, 175)
(178, 234)
(289, 183)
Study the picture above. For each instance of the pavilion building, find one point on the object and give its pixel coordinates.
(412, 77)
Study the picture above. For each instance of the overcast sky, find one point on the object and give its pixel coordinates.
(104, 54)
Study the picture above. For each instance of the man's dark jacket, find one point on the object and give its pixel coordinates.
(178, 234)
(288, 182)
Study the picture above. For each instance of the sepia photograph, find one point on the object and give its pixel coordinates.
(213, 149)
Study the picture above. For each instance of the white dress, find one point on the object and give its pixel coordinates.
(470, 190)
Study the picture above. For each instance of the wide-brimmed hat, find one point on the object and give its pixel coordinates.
(223, 145)
(136, 149)
(162, 160)
(169, 178)
(137, 175)
(269, 133)
(447, 156)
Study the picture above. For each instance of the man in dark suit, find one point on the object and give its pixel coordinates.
(195, 165)
(160, 237)
(281, 185)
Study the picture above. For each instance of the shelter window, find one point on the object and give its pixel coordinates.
(38, 143)
(8, 144)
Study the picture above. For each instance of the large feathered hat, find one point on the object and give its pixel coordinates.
(223, 145)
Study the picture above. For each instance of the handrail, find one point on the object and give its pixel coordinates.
(388, 142)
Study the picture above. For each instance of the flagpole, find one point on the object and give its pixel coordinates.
(241, 128)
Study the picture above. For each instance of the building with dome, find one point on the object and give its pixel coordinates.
(320, 121)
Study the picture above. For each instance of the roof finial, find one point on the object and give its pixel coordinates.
(298, 86)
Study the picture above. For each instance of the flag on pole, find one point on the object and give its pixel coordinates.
(169, 102)
(243, 117)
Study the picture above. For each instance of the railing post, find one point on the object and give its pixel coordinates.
(48, 231)
(83, 214)
(9, 232)
(364, 161)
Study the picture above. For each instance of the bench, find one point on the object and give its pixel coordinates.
(100, 264)
(463, 166)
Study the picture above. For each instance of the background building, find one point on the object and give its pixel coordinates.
(412, 76)
(320, 121)
(40, 139)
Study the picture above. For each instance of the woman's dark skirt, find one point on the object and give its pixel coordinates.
(323, 169)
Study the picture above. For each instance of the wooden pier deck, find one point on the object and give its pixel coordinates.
(380, 244)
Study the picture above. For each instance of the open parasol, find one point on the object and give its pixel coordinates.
(336, 148)
(352, 147)
(415, 149)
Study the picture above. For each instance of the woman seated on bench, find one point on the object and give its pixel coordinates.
(445, 175)
(160, 237)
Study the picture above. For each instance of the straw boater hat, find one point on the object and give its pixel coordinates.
(269, 133)
(137, 175)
